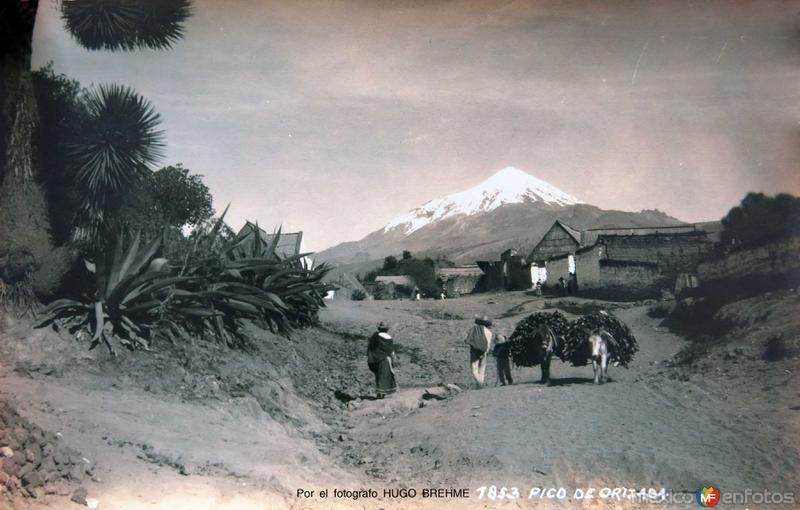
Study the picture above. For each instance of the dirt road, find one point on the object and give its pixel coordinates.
(248, 430)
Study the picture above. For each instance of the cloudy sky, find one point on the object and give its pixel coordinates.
(335, 116)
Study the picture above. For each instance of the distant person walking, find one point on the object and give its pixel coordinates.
(501, 351)
(479, 340)
(382, 360)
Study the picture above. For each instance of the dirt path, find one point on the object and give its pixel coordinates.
(652, 426)
(648, 428)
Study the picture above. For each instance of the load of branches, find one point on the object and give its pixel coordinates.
(529, 345)
(621, 342)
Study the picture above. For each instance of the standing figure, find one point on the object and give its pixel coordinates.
(572, 284)
(382, 360)
(562, 286)
(548, 342)
(501, 353)
(479, 340)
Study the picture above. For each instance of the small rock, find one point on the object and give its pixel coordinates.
(79, 496)
(11, 467)
(24, 470)
(19, 458)
(32, 479)
(33, 454)
(92, 503)
(455, 388)
(58, 457)
(438, 393)
(6, 451)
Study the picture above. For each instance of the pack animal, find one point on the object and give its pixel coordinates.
(600, 355)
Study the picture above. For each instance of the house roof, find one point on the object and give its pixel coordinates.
(288, 243)
(573, 232)
(397, 280)
(454, 272)
(590, 236)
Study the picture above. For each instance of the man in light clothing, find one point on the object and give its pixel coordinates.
(479, 340)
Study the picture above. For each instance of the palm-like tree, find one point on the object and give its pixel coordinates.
(126, 24)
(119, 142)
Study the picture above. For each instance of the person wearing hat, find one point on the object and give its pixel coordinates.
(381, 360)
(479, 340)
(501, 353)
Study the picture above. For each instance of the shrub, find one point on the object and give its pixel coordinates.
(358, 295)
(220, 286)
(761, 219)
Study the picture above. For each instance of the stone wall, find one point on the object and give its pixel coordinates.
(461, 284)
(673, 254)
(769, 261)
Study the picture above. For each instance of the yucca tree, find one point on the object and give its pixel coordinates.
(125, 24)
(95, 24)
(119, 142)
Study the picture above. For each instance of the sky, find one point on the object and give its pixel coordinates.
(334, 116)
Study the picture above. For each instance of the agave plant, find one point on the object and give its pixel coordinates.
(125, 24)
(133, 286)
(222, 285)
(119, 142)
(246, 281)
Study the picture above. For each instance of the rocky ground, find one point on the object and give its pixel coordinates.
(197, 426)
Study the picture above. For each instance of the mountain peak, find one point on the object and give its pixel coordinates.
(507, 186)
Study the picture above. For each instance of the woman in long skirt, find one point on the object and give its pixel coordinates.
(381, 359)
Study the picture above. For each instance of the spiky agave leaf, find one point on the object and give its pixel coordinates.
(125, 24)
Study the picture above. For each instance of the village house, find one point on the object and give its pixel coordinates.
(511, 272)
(390, 287)
(288, 242)
(459, 280)
(629, 260)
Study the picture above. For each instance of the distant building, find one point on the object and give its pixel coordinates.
(390, 287)
(511, 272)
(622, 260)
(288, 242)
(459, 280)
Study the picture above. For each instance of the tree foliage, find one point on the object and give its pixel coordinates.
(61, 115)
(126, 24)
(170, 198)
(119, 141)
(760, 219)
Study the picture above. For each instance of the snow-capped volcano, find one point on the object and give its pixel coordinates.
(508, 186)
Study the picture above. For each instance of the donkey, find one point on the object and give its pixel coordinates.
(549, 342)
(600, 355)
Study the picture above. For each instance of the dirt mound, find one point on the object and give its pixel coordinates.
(33, 461)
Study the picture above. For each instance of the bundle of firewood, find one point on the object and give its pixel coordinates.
(529, 349)
(621, 342)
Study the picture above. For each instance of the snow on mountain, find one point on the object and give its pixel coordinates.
(508, 186)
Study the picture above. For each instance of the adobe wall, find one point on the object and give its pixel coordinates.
(672, 253)
(634, 278)
(557, 268)
(587, 267)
